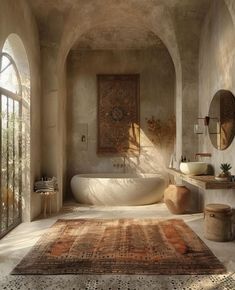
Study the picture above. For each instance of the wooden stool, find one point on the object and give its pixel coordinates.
(47, 197)
(218, 222)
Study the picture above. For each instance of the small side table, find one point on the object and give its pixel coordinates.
(46, 201)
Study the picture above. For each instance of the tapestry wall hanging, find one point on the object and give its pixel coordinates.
(118, 114)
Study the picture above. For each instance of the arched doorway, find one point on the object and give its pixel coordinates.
(14, 132)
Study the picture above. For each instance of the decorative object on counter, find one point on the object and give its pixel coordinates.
(218, 222)
(177, 198)
(225, 174)
(232, 178)
(193, 168)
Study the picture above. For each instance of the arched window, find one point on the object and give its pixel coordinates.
(13, 104)
(9, 75)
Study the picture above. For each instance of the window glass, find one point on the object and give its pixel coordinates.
(8, 76)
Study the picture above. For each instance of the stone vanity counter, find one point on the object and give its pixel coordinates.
(202, 181)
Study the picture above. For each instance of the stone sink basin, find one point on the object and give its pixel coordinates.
(193, 168)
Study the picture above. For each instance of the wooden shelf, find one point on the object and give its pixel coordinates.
(202, 181)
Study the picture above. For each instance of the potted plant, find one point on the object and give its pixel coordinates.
(225, 174)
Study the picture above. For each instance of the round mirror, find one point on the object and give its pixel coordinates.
(222, 119)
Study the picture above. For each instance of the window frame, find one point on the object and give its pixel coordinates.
(15, 96)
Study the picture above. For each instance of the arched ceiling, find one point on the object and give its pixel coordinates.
(44, 8)
(121, 37)
(52, 15)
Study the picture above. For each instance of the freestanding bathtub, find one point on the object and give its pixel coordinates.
(118, 189)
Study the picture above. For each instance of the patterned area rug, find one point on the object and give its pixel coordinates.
(124, 246)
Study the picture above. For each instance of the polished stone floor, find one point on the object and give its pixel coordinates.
(16, 244)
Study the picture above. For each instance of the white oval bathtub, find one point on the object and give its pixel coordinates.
(118, 189)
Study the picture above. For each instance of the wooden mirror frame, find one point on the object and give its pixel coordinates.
(222, 119)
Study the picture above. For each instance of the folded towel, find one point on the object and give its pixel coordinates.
(46, 185)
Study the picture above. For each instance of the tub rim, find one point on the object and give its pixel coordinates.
(119, 176)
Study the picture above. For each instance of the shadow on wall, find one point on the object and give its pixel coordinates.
(157, 98)
(157, 143)
(152, 157)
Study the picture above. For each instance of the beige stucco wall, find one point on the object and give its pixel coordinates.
(53, 120)
(157, 98)
(217, 71)
(16, 17)
(49, 105)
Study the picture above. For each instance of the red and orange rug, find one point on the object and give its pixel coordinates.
(122, 246)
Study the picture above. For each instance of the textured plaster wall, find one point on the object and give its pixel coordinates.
(16, 17)
(53, 120)
(189, 103)
(157, 90)
(188, 28)
(49, 109)
(49, 149)
(217, 71)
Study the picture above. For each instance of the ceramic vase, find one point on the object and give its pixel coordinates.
(177, 198)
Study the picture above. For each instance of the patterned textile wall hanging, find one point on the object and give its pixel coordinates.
(118, 114)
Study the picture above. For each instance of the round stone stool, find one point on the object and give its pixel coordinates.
(218, 222)
(177, 198)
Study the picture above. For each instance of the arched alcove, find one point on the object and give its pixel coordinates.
(119, 49)
(159, 22)
(15, 133)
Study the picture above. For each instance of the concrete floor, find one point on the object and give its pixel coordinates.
(18, 242)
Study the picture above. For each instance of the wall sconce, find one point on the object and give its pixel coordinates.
(206, 121)
(201, 128)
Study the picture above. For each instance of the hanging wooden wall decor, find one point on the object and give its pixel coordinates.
(118, 114)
